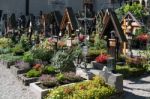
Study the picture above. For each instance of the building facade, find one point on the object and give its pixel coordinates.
(35, 6)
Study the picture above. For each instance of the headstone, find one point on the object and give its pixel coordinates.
(116, 80)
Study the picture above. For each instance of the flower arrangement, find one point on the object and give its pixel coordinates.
(37, 66)
(81, 37)
(102, 58)
(143, 37)
(48, 81)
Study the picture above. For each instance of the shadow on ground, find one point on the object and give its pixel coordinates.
(139, 82)
(129, 95)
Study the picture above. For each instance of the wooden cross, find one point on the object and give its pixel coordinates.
(85, 19)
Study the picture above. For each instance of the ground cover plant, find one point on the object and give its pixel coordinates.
(92, 89)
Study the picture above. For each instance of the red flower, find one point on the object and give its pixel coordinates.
(102, 58)
(143, 37)
(81, 37)
(37, 66)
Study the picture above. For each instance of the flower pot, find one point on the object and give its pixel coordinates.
(97, 65)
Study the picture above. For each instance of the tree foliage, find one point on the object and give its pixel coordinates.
(135, 8)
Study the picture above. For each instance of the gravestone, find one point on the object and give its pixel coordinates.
(114, 80)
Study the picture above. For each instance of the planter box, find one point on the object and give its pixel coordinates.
(39, 92)
(7, 64)
(26, 81)
(98, 66)
(16, 70)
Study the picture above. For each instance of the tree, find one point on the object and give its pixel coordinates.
(135, 8)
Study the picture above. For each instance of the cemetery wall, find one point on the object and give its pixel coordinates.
(18, 6)
(12, 6)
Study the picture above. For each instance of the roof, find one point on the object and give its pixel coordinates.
(58, 17)
(129, 14)
(69, 16)
(101, 13)
(111, 23)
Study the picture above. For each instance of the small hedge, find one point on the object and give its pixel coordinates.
(128, 71)
(93, 89)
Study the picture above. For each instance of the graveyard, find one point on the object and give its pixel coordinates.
(69, 54)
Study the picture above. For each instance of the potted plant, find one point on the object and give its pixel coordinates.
(100, 61)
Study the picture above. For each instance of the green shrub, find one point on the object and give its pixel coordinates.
(10, 57)
(25, 42)
(5, 50)
(99, 43)
(64, 60)
(95, 52)
(83, 90)
(5, 43)
(128, 71)
(18, 50)
(28, 57)
(60, 77)
(49, 70)
(33, 73)
(42, 54)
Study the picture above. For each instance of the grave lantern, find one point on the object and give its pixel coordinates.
(69, 42)
(55, 39)
(112, 42)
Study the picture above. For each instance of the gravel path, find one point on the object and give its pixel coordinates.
(11, 87)
(138, 88)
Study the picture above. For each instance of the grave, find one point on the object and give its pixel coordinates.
(55, 21)
(113, 34)
(69, 22)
